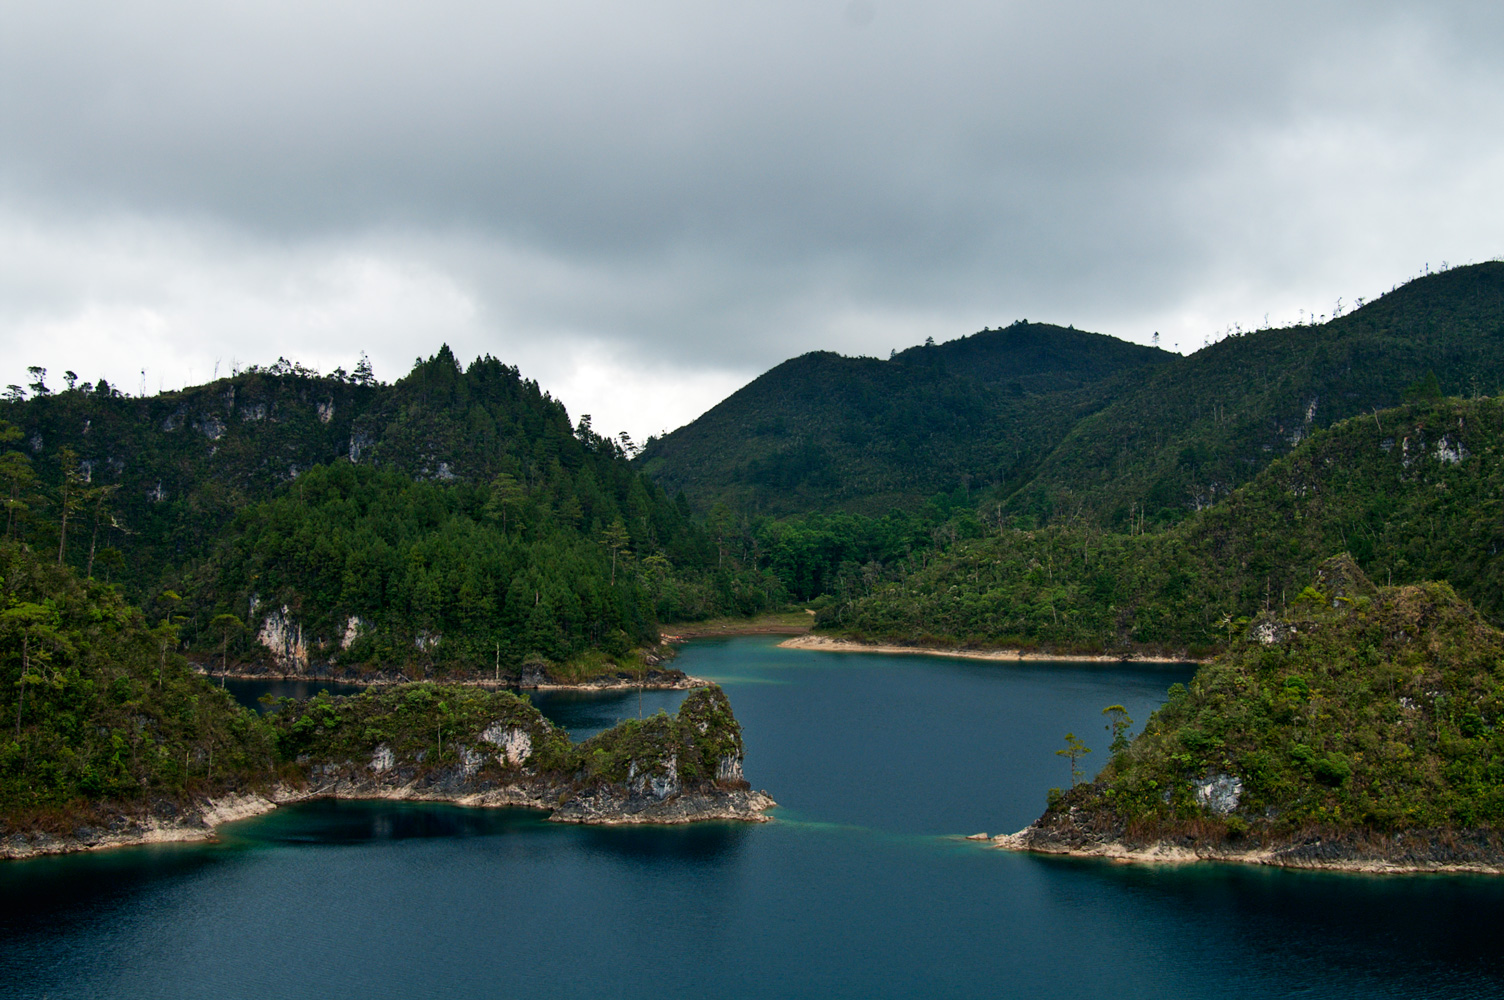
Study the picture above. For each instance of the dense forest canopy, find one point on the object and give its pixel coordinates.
(453, 518)
(1413, 493)
(828, 433)
(1030, 485)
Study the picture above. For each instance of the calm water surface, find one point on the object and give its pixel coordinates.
(581, 713)
(857, 890)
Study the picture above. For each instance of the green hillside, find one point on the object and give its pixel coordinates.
(451, 519)
(1056, 424)
(1412, 492)
(824, 432)
(1186, 434)
(99, 707)
(108, 732)
(184, 462)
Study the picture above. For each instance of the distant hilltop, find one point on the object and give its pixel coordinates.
(1057, 422)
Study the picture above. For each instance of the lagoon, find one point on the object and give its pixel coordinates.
(858, 889)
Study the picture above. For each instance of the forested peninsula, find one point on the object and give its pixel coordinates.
(1359, 728)
(113, 738)
(452, 525)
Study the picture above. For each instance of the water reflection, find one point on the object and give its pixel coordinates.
(1384, 927)
(249, 692)
(585, 713)
(581, 713)
(342, 822)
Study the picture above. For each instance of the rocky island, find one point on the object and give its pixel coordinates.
(1358, 729)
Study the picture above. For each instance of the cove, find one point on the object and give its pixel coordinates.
(859, 889)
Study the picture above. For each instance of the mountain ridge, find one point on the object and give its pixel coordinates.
(826, 432)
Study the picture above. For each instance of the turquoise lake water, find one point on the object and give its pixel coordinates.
(859, 889)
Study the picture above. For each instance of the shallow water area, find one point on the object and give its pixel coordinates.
(859, 889)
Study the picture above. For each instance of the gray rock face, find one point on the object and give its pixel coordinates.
(660, 782)
(608, 807)
(283, 637)
(1219, 793)
(382, 760)
(516, 745)
(729, 768)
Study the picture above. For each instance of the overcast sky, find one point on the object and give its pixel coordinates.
(644, 205)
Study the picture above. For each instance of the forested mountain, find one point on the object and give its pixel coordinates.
(1033, 485)
(1413, 493)
(1059, 424)
(453, 513)
(824, 432)
(1184, 435)
(184, 462)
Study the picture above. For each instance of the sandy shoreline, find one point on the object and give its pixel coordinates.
(830, 645)
(1170, 854)
(684, 635)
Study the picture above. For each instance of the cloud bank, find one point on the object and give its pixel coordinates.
(646, 205)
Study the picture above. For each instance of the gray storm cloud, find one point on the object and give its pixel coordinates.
(681, 191)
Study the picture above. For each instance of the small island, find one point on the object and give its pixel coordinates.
(1357, 729)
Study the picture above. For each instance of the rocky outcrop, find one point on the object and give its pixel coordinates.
(470, 747)
(664, 769)
(691, 807)
(281, 636)
(163, 822)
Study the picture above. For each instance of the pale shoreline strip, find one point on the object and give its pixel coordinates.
(1168, 854)
(204, 822)
(831, 645)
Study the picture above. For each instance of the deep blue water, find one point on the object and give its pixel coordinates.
(858, 890)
